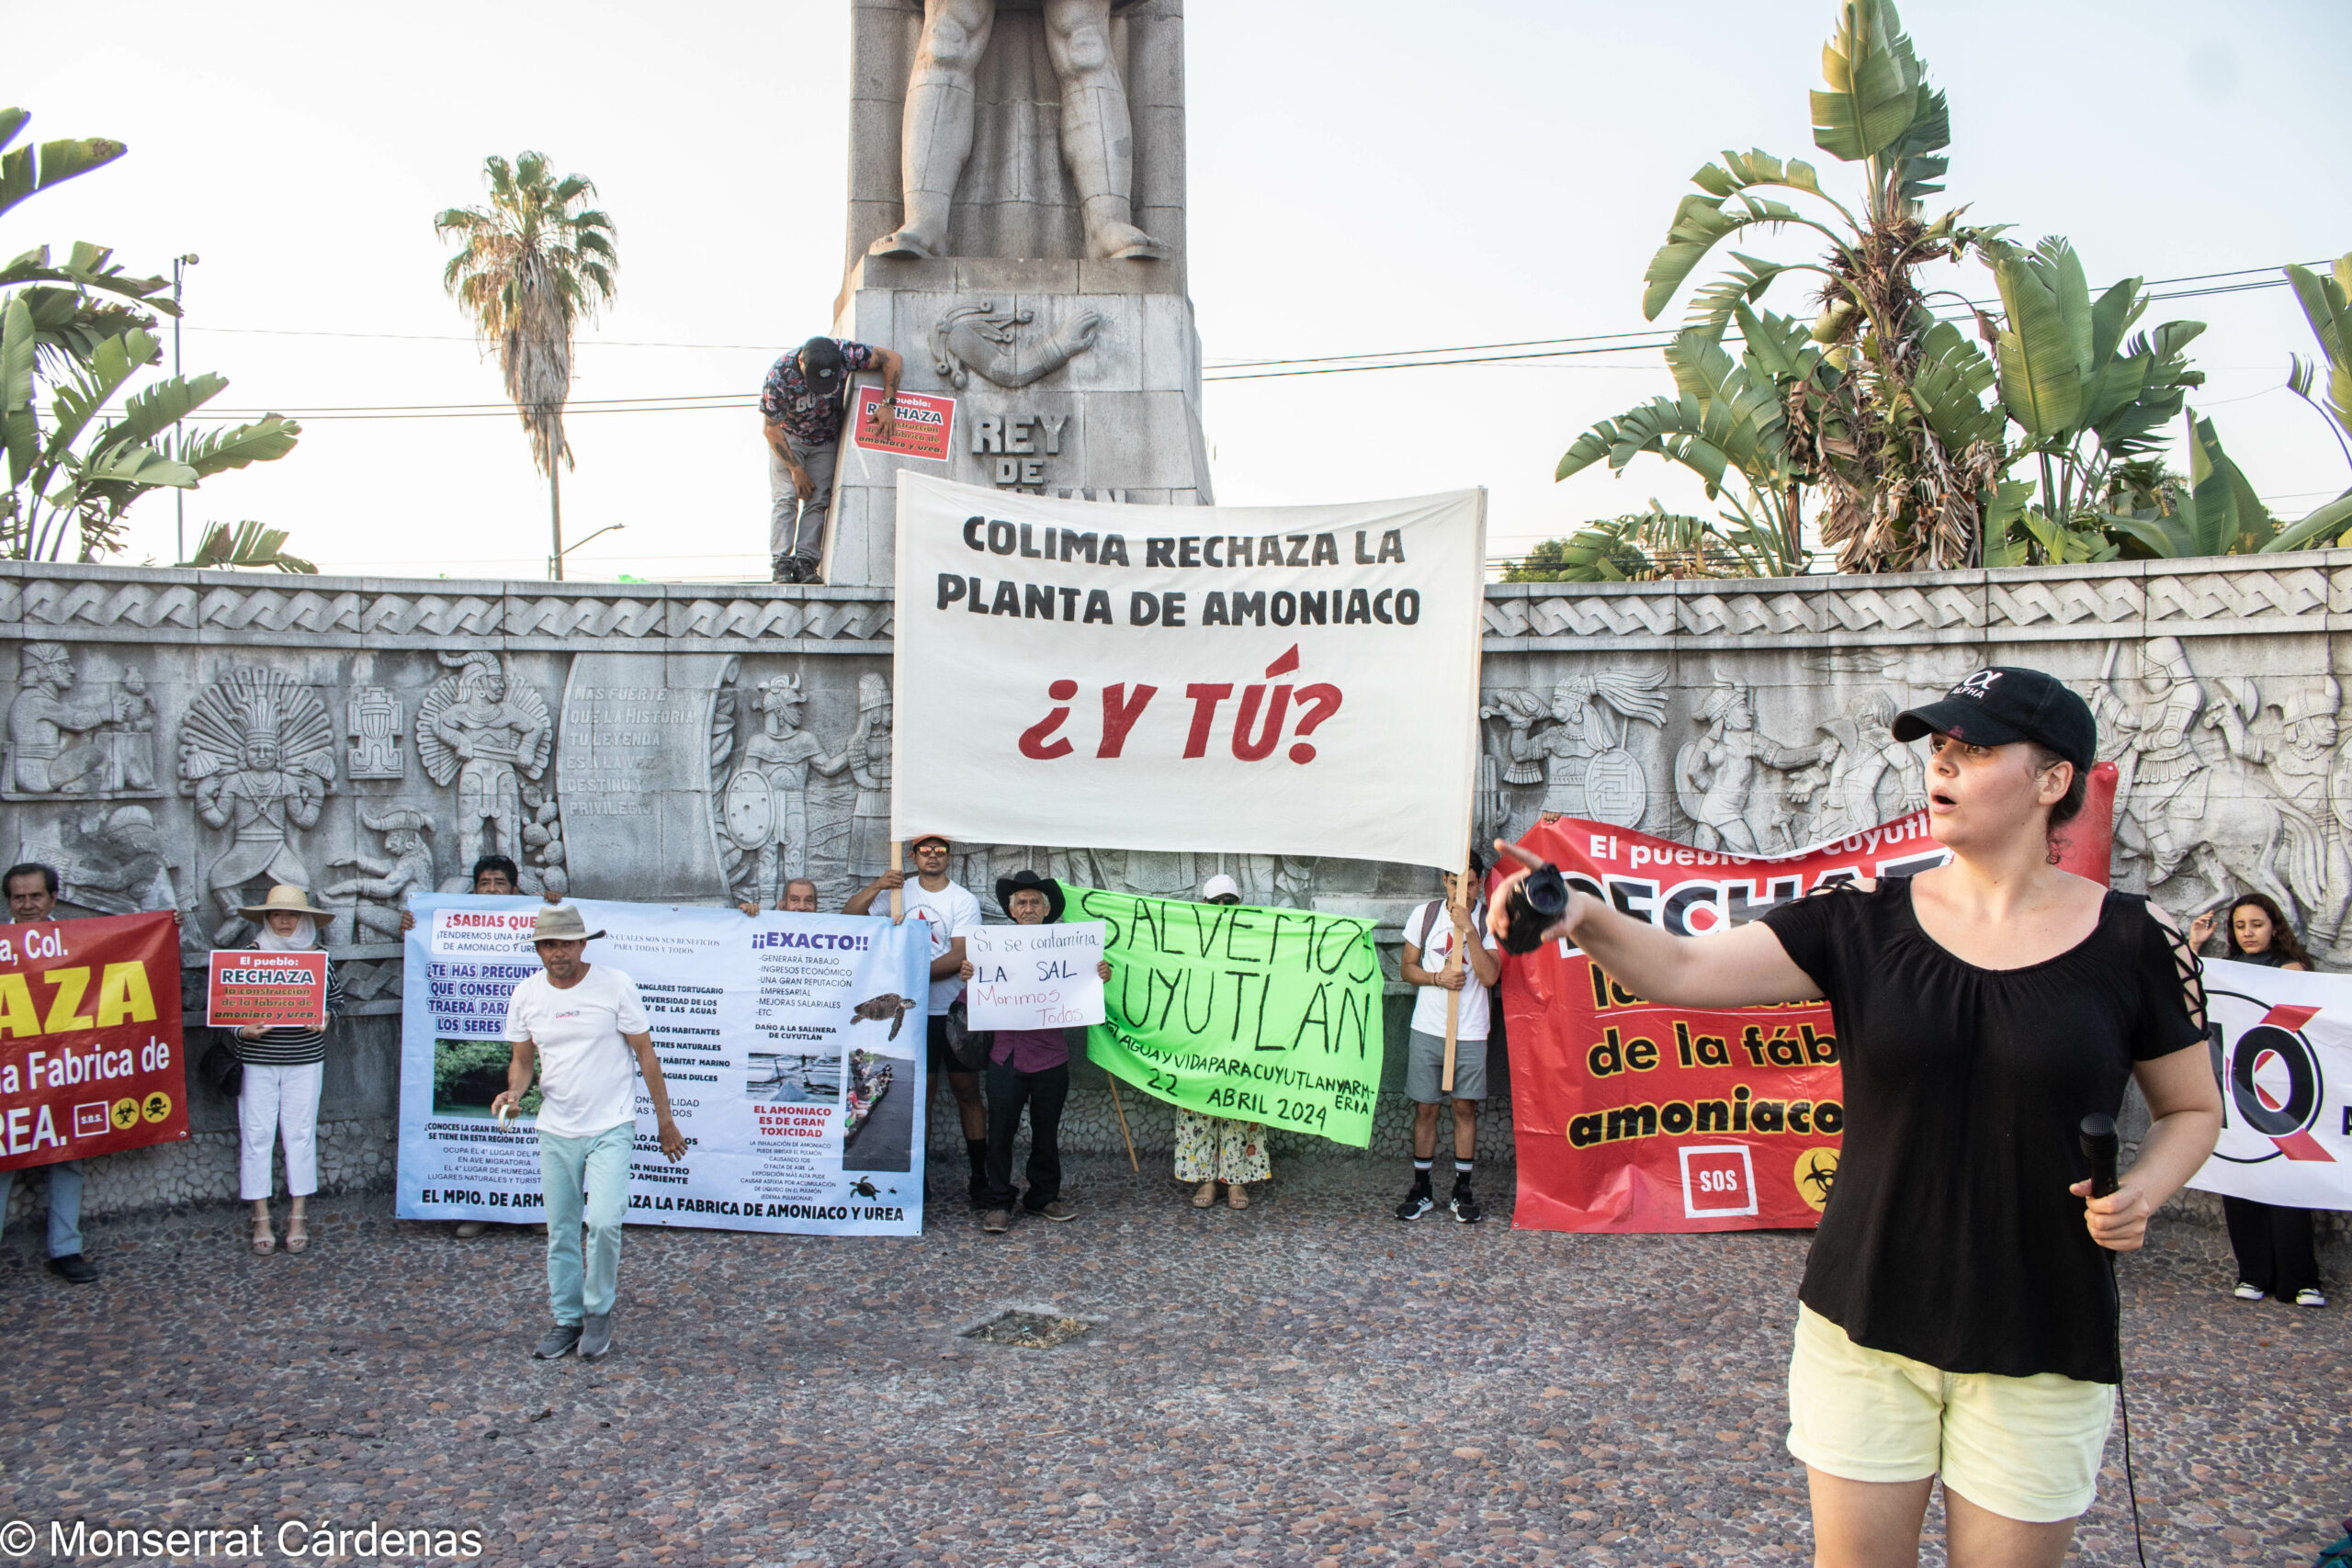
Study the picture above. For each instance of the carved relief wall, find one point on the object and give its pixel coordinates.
(180, 739)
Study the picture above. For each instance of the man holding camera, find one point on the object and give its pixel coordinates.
(801, 411)
(1452, 933)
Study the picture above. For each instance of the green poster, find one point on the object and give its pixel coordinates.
(1265, 1015)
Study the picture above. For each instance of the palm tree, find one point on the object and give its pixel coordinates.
(530, 268)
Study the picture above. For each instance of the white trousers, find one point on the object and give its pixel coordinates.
(278, 1100)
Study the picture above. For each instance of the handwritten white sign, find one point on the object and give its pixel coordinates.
(1035, 976)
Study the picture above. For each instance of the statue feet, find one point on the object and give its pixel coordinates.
(1115, 241)
(902, 243)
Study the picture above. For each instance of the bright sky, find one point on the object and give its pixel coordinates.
(1375, 175)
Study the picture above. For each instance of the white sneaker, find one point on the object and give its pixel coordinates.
(2310, 1298)
(2249, 1292)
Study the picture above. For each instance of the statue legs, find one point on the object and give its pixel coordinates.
(1098, 136)
(936, 132)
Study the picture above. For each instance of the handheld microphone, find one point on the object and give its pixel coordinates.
(2099, 1148)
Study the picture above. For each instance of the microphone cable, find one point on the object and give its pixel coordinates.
(2100, 1146)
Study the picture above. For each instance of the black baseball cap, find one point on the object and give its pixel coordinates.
(2006, 705)
(821, 362)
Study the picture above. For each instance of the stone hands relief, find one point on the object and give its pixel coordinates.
(2228, 784)
(70, 736)
(981, 339)
(1097, 130)
(256, 755)
(490, 736)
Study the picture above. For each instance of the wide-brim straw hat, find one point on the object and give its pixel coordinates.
(286, 900)
(561, 922)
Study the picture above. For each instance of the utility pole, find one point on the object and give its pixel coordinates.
(179, 495)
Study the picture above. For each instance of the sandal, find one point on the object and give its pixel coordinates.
(1204, 1196)
(1237, 1195)
(265, 1239)
(297, 1234)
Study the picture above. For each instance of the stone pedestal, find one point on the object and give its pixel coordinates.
(1120, 421)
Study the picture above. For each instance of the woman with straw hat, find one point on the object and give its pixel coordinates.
(283, 1065)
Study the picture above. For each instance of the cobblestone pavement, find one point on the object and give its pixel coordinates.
(1308, 1383)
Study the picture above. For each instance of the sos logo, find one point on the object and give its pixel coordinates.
(2273, 1087)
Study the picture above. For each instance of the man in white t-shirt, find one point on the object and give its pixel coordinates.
(580, 1023)
(952, 911)
(1438, 936)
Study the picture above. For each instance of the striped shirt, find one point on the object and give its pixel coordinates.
(287, 1047)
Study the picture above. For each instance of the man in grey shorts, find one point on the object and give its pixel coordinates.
(1441, 936)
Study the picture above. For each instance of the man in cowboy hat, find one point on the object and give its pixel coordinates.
(579, 1022)
(1027, 1066)
(951, 911)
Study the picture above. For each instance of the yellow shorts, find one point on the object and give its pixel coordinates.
(2026, 1449)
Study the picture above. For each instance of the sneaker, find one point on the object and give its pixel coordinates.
(781, 569)
(596, 1335)
(2311, 1296)
(1464, 1205)
(76, 1269)
(997, 1221)
(557, 1341)
(1419, 1202)
(1059, 1209)
(2247, 1291)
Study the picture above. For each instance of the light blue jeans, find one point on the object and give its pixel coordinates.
(65, 1204)
(597, 1167)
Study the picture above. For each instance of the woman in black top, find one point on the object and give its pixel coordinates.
(1957, 1313)
(2274, 1247)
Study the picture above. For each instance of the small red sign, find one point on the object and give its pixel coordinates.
(921, 426)
(1718, 1181)
(272, 989)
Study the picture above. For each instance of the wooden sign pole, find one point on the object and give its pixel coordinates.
(1458, 959)
(897, 898)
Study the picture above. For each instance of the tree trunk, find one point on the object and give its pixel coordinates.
(555, 518)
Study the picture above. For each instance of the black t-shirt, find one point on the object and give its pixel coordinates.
(1950, 1236)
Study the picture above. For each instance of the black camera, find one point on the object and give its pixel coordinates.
(1538, 900)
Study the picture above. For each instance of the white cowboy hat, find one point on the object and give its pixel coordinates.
(561, 922)
(286, 899)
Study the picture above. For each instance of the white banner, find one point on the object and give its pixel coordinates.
(792, 1046)
(1035, 976)
(1296, 681)
(2283, 1051)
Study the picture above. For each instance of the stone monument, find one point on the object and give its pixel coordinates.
(1016, 231)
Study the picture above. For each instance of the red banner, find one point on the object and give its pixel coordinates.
(1633, 1115)
(272, 989)
(90, 1052)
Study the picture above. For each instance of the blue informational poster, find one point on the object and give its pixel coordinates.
(792, 1045)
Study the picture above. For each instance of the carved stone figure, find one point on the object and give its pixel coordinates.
(2160, 784)
(1589, 772)
(1719, 778)
(969, 338)
(133, 734)
(383, 885)
(477, 728)
(376, 722)
(45, 722)
(1098, 136)
(257, 752)
(867, 757)
(108, 858)
(765, 807)
(1864, 775)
